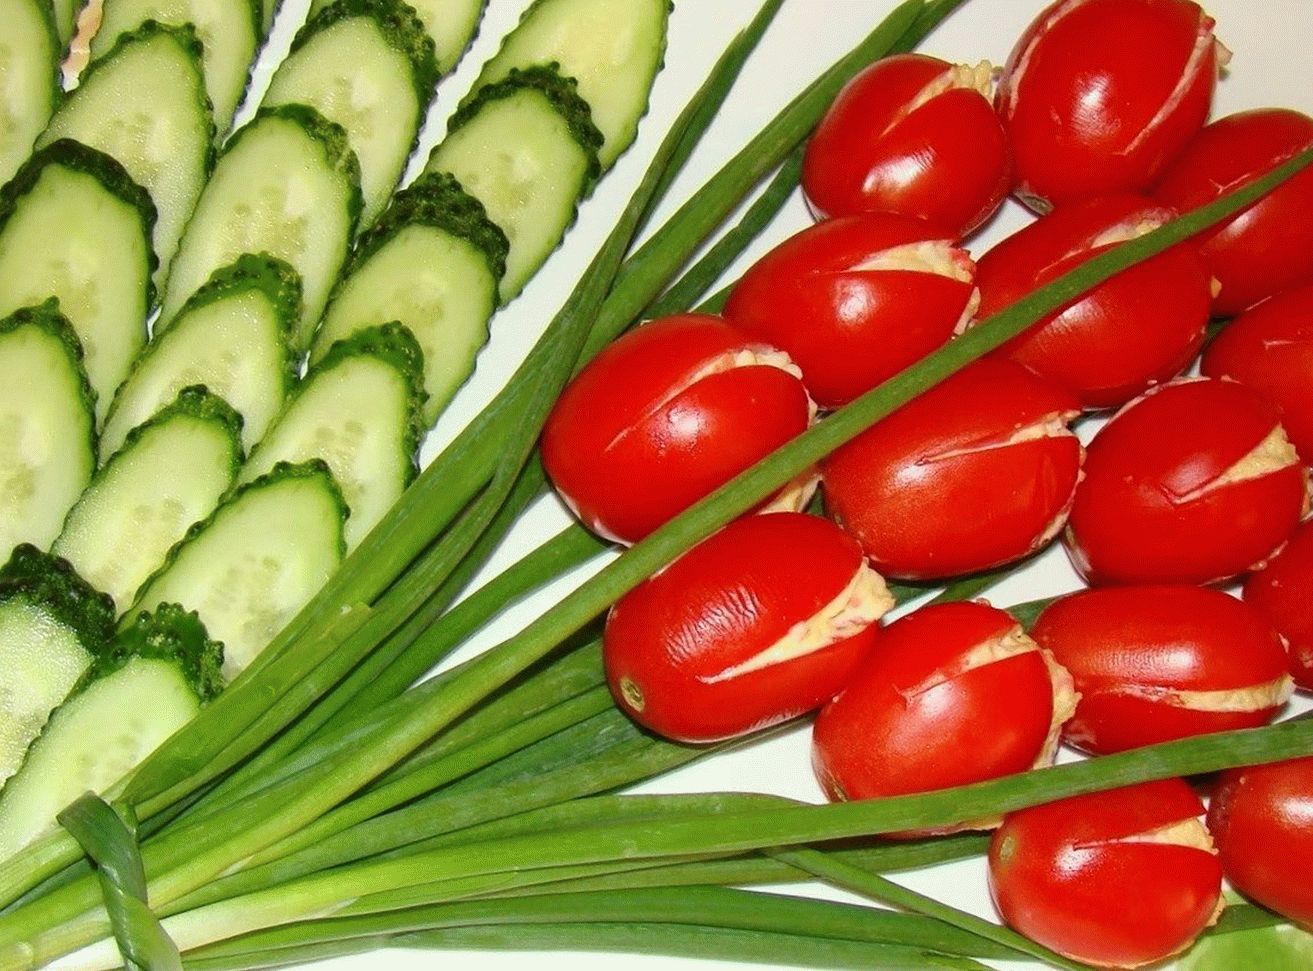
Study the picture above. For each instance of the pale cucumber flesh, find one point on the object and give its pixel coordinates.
(27, 93)
(451, 24)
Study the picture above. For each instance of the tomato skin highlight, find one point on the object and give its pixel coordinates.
(1270, 349)
(1267, 248)
(1283, 592)
(975, 444)
(1155, 505)
(1142, 327)
(847, 328)
(1262, 820)
(922, 713)
(635, 439)
(670, 641)
(1099, 96)
(944, 160)
(1067, 875)
(1132, 650)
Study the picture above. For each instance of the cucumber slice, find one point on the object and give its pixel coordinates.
(613, 48)
(526, 149)
(230, 32)
(234, 336)
(359, 411)
(267, 10)
(451, 24)
(66, 17)
(74, 225)
(288, 185)
(256, 561)
(152, 681)
(369, 66)
(431, 262)
(47, 425)
(52, 626)
(170, 473)
(29, 79)
(144, 103)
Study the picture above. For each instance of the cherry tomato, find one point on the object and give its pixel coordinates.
(1153, 664)
(664, 416)
(1141, 327)
(1283, 592)
(1099, 95)
(952, 694)
(1268, 247)
(976, 472)
(914, 135)
(1262, 819)
(1270, 349)
(1192, 482)
(759, 623)
(1118, 878)
(855, 300)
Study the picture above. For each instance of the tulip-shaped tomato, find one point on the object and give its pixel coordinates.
(1270, 349)
(1158, 663)
(853, 301)
(1283, 592)
(1262, 820)
(1141, 327)
(1100, 95)
(914, 135)
(1193, 482)
(1118, 878)
(976, 472)
(952, 694)
(763, 621)
(664, 416)
(1267, 248)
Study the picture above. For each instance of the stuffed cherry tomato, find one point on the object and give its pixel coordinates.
(1193, 482)
(663, 417)
(1268, 247)
(914, 135)
(952, 694)
(1262, 820)
(977, 472)
(1153, 664)
(1118, 878)
(1270, 349)
(1141, 327)
(763, 621)
(1100, 95)
(853, 301)
(1283, 592)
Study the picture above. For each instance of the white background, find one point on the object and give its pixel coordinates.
(1271, 66)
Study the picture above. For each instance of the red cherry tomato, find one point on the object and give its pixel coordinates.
(1118, 878)
(664, 416)
(1141, 327)
(914, 135)
(1262, 819)
(977, 472)
(1283, 592)
(1268, 247)
(1153, 664)
(855, 300)
(1191, 483)
(1099, 95)
(1270, 349)
(952, 694)
(761, 622)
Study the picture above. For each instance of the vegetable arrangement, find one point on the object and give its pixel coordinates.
(318, 807)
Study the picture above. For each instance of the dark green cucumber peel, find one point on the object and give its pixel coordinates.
(561, 93)
(104, 169)
(46, 316)
(399, 25)
(46, 12)
(196, 402)
(168, 633)
(45, 579)
(434, 199)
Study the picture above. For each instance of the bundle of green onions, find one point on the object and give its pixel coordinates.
(322, 805)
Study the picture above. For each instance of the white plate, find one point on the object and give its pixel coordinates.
(1271, 66)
